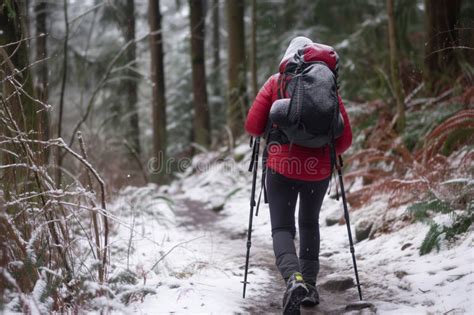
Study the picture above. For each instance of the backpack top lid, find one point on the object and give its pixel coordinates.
(302, 47)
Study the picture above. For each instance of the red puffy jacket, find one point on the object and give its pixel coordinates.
(310, 164)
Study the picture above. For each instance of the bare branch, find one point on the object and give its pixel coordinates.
(448, 48)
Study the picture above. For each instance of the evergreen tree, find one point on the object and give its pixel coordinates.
(441, 56)
(159, 99)
(236, 89)
(201, 128)
(254, 49)
(22, 106)
(394, 64)
(131, 82)
(42, 81)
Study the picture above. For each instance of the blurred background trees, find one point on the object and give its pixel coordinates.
(115, 89)
(128, 84)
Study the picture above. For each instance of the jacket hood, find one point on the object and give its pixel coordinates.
(303, 48)
(295, 44)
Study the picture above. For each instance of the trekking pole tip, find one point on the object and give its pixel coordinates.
(245, 286)
(359, 290)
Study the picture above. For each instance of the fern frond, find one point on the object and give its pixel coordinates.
(374, 173)
(463, 119)
(420, 210)
(431, 240)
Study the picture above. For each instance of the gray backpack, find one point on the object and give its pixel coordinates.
(307, 111)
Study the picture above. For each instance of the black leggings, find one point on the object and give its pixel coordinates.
(282, 194)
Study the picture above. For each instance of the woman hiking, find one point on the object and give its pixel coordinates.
(292, 171)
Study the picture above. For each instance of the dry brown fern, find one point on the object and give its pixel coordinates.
(436, 138)
(405, 176)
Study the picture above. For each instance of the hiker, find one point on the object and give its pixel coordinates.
(294, 170)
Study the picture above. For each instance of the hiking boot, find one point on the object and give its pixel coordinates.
(295, 292)
(312, 298)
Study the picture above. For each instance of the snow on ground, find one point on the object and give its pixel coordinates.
(396, 278)
(192, 257)
(198, 271)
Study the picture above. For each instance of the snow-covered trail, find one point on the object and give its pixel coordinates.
(197, 217)
(193, 234)
(205, 253)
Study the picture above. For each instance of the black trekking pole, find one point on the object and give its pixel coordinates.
(346, 217)
(252, 168)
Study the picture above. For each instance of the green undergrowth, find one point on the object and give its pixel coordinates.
(438, 232)
(421, 211)
(426, 210)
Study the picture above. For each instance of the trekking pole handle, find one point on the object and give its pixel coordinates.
(253, 158)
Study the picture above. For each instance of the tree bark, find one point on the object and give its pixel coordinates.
(201, 109)
(133, 132)
(159, 100)
(236, 90)
(216, 62)
(41, 86)
(441, 58)
(394, 62)
(13, 26)
(254, 49)
(59, 158)
(18, 108)
(217, 114)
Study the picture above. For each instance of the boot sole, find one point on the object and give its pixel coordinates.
(294, 301)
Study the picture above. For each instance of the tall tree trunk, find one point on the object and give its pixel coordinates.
(159, 100)
(236, 90)
(18, 108)
(41, 86)
(217, 113)
(216, 61)
(59, 158)
(441, 59)
(133, 132)
(254, 49)
(22, 106)
(13, 29)
(201, 109)
(394, 62)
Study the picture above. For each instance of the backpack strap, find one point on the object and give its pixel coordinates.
(280, 86)
(332, 140)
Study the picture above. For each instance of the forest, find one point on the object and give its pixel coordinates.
(124, 178)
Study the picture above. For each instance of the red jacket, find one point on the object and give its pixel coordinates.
(310, 164)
